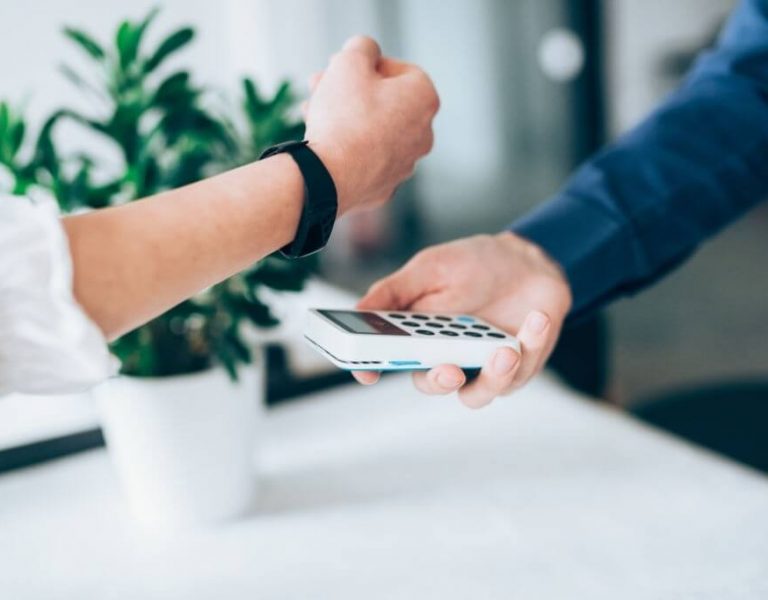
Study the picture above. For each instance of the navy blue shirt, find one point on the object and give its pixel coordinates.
(642, 205)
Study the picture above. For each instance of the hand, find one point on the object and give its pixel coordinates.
(369, 119)
(504, 279)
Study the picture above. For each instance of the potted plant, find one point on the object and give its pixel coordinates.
(180, 420)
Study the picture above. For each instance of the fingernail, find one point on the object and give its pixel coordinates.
(448, 380)
(503, 363)
(536, 322)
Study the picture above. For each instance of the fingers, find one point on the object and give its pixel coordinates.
(391, 67)
(366, 47)
(508, 370)
(495, 378)
(534, 337)
(441, 380)
(366, 377)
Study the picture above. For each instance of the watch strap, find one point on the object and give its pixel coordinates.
(320, 206)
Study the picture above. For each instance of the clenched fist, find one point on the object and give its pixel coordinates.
(369, 118)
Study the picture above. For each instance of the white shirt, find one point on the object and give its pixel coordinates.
(47, 343)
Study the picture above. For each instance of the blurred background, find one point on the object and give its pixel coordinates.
(529, 89)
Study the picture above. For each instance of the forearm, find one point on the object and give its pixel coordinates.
(368, 125)
(133, 262)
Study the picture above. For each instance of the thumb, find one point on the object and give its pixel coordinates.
(365, 46)
(436, 302)
(398, 291)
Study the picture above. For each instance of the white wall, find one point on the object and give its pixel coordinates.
(641, 32)
(32, 46)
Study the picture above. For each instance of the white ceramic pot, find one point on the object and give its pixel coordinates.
(184, 447)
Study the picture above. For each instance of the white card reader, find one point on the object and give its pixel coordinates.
(357, 340)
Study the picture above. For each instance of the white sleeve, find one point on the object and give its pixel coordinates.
(47, 343)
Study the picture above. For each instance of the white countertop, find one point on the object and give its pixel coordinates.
(380, 493)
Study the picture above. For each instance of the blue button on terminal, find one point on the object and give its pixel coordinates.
(404, 363)
(465, 319)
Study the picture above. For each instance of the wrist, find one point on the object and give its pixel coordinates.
(522, 249)
(340, 170)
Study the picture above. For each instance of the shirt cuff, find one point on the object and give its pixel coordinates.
(594, 250)
(47, 343)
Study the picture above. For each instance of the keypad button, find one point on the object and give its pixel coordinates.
(481, 327)
(410, 324)
(425, 332)
(420, 317)
(435, 325)
(443, 318)
(495, 335)
(473, 334)
(465, 319)
(449, 333)
(457, 326)
(397, 316)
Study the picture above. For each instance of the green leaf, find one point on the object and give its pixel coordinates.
(257, 312)
(169, 137)
(279, 274)
(254, 106)
(126, 43)
(78, 81)
(171, 44)
(129, 37)
(227, 358)
(86, 42)
(75, 116)
(283, 98)
(12, 131)
(141, 29)
(5, 117)
(101, 196)
(174, 91)
(239, 349)
(45, 152)
(17, 137)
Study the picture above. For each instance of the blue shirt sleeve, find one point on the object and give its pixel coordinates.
(641, 206)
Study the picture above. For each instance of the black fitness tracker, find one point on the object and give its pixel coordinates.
(320, 200)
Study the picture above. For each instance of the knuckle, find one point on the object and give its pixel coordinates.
(337, 60)
(419, 73)
(433, 100)
(429, 142)
(362, 39)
